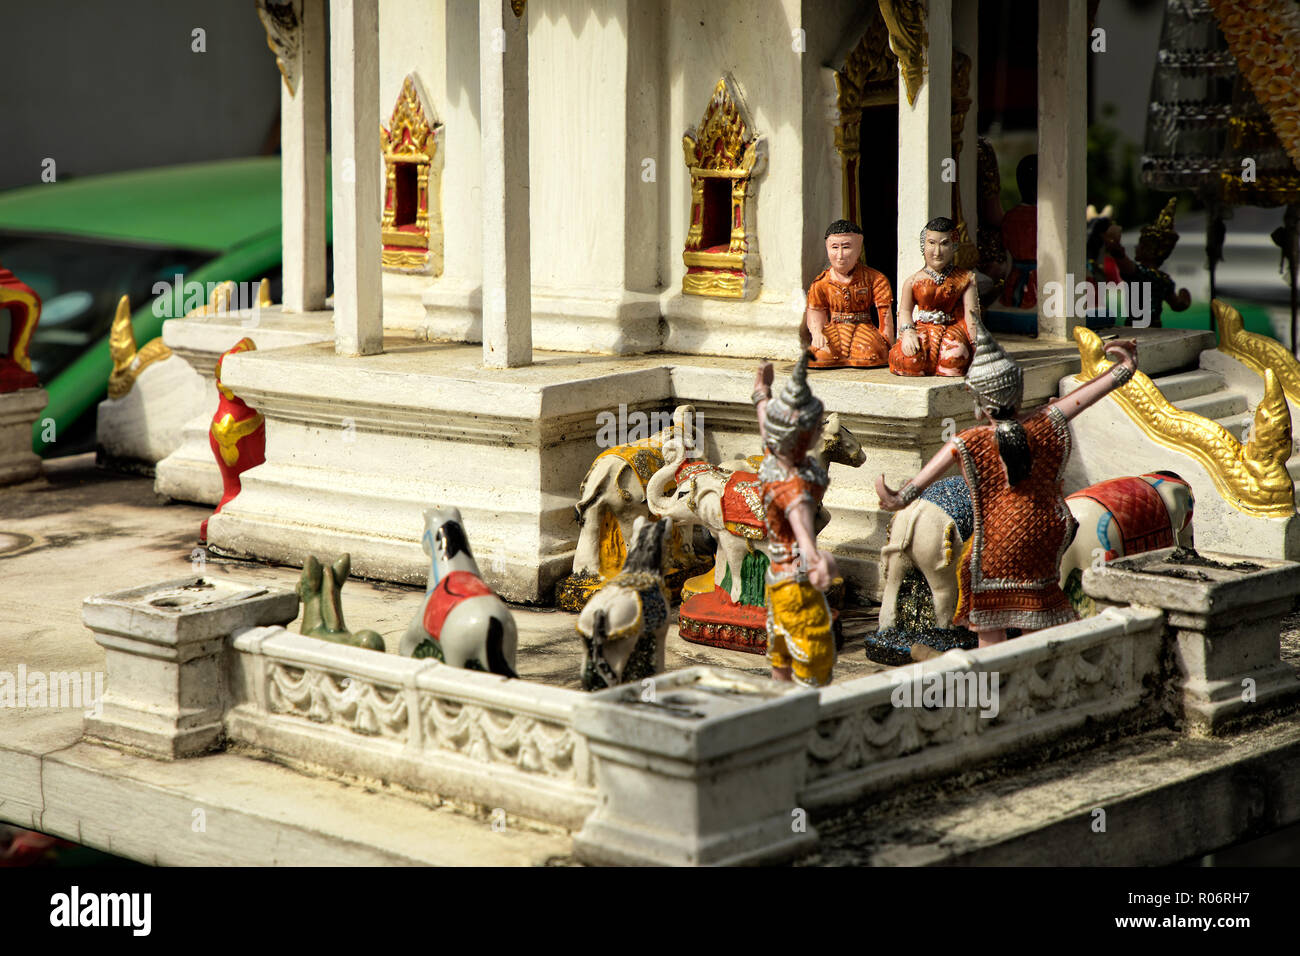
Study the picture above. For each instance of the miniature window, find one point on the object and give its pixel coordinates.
(412, 220)
(722, 157)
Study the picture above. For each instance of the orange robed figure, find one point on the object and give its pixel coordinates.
(850, 306)
(938, 310)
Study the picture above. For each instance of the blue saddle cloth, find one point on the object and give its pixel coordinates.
(953, 496)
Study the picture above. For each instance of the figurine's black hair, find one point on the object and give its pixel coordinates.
(940, 224)
(451, 538)
(842, 226)
(1027, 178)
(1013, 443)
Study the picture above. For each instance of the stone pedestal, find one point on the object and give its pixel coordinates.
(697, 767)
(18, 412)
(149, 422)
(166, 688)
(1224, 616)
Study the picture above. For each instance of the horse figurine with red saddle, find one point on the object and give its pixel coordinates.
(462, 621)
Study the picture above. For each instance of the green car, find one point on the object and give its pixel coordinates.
(84, 243)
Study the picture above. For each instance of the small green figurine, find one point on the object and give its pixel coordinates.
(320, 589)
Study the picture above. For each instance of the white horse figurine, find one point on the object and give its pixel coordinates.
(462, 622)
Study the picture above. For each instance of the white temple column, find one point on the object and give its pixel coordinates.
(503, 115)
(1062, 157)
(924, 140)
(302, 169)
(358, 292)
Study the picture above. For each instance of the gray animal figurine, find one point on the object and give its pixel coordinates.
(320, 589)
(462, 622)
(624, 624)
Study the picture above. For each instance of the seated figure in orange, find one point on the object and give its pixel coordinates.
(843, 327)
(938, 310)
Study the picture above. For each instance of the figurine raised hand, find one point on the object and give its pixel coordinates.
(1010, 566)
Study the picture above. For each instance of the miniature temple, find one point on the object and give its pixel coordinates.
(553, 219)
(557, 215)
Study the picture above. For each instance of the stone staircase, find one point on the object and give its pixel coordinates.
(1208, 393)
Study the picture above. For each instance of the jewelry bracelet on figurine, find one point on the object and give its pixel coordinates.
(1121, 374)
(761, 394)
(909, 493)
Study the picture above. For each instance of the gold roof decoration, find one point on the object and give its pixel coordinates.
(282, 20)
(1264, 39)
(409, 129)
(906, 22)
(870, 71)
(723, 140)
(128, 361)
(1251, 478)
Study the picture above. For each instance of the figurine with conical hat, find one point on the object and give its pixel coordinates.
(237, 436)
(1010, 566)
(938, 310)
(1155, 242)
(800, 638)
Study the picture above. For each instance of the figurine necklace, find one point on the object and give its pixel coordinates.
(939, 277)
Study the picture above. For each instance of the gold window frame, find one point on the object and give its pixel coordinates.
(412, 139)
(722, 147)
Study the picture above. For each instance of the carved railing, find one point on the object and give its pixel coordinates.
(1048, 684)
(456, 733)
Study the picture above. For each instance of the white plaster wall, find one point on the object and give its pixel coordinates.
(831, 27)
(411, 40)
(438, 41)
(753, 42)
(577, 66)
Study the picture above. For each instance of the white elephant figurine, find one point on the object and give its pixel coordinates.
(610, 499)
(625, 623)
(727, 500)
(1128, 516)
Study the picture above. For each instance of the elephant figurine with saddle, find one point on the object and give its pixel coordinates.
(610, 499)
(726, 499)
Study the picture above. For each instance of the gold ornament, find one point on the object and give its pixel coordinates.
(128, 361)
(906, 22)
(1259, 353)
(1159, 237)
(228, 432)
(720, 148)
(1252, 478)
(410, 144)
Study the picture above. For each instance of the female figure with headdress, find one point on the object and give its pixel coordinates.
(800, 640)
(1010, 567)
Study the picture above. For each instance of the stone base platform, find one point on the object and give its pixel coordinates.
(358, 448)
